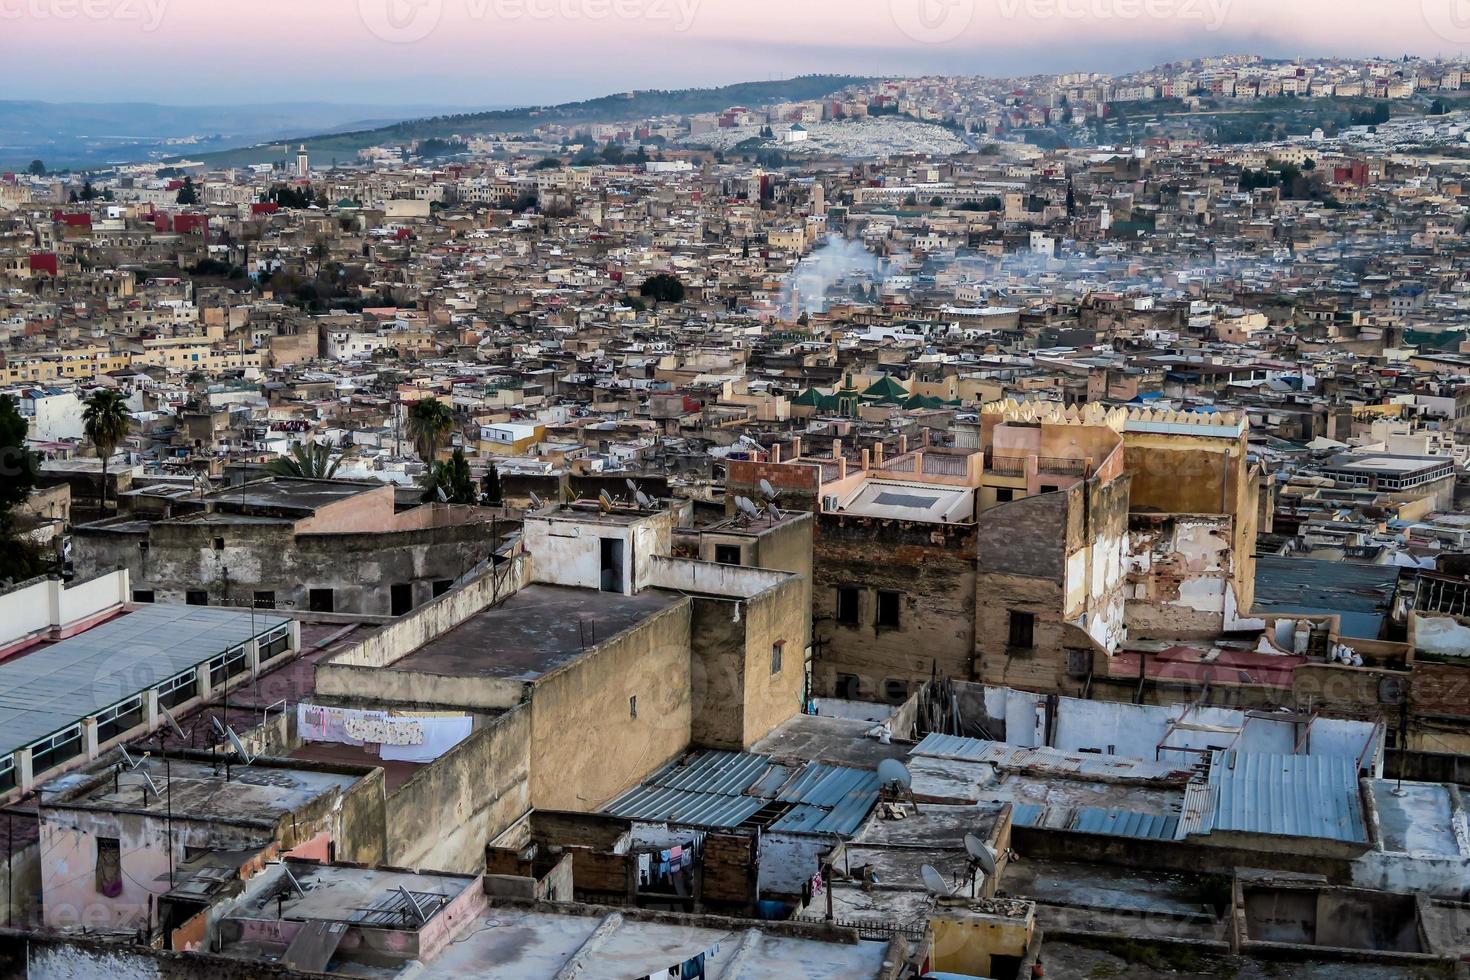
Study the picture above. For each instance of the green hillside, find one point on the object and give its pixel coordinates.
(608, 108)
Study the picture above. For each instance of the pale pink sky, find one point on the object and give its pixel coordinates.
(477, 52)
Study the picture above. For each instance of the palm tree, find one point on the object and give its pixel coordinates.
(106, 422)
(306, 462)
(429, 424)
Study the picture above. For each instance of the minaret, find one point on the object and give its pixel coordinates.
(303, 166)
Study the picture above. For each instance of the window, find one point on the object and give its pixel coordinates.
(847, 606)
(178, 689)
(109, 867)
(895, 690)
(400, 597)
(52, 752)
(196, 597)
(265, 600)
(142, 595)
(849, 687)
(633, 706)
(219, 544)
(442, 586)
(888, 603)
(227, 665)
(119, 718)
(320, 600)
(1050, 488)
(1022, 630)
(727, 554)
(776, 650)
(7, 773)
(1004, 495)
(274, 643)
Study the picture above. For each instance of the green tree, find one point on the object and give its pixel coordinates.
(306, 462)
(429, 424)
(547, 163)
(188, 194)
(451, 477)
(36, 169)
(662, 287)
(20, 559)
(490, 487)
(106, 422)
(18, 468)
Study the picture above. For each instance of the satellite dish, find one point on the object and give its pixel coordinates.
(767, 490)
(604, 501)
(632, 487)
(892, 773)
(980, 853)
(536, 502)
(747, 508)
(238, 746)
(644, 500)
(934, 882)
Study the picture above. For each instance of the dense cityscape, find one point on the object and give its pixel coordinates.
(831, 527)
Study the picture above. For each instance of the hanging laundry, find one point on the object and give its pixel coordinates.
(386, 730)
(439, 736)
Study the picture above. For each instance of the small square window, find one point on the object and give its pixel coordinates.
(1022, 634)
(776, 650)
(727, 554)
(196, 597)
(888, 606)
(1004, 495)
(219, 544)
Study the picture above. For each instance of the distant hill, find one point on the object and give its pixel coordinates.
(94, 134)
(609, 108)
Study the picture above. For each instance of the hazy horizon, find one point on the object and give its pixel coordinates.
(521, 52)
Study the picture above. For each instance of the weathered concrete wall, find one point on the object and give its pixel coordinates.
(588, 746)
(442, 818)
(777, 616)
(359, 568)
(20, 887)
(930, 566)
(1097, 559)
(39, 957)
(1181, 576)
(567, 546)
(717, 646)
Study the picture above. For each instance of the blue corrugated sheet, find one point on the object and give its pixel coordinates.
(1026, 814)
(725, 789)
(1123, 823)
(1287, 795)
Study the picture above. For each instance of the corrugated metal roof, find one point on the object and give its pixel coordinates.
(1197, 816)
(1124, 823)
(1026, 814)
(56, 686)
(725, 789)
(1287, 795)
(1045, 761)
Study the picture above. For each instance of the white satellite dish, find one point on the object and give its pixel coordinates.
(747, 508)
(536, 502)
(934, 882)
(644, 500)
(632, 487)
(238, 746)
(980, 853)
(767, 490)
(893, 774)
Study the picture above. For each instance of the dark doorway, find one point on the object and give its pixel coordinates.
(612, 565)
(401, 596)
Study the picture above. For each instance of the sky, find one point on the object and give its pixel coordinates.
(521, 52)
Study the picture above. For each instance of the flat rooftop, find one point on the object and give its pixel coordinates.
(192, 790)
(536, 630)
(54, 686)
(895, 500)
(306, 495)
(512, 943)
